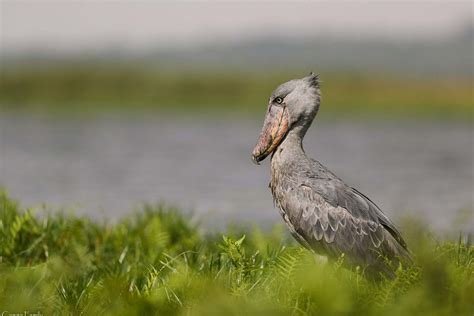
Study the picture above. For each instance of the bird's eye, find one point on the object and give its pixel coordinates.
(279, 100)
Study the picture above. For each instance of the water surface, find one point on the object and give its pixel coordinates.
(108, 166)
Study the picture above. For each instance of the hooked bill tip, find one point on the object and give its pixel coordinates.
(255, 160)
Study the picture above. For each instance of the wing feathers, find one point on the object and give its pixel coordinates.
(353, 226)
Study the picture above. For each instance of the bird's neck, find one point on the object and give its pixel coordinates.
(290, 150)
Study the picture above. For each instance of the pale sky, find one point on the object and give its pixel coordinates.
(134, 25)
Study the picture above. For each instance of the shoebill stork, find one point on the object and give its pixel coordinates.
(323, 213)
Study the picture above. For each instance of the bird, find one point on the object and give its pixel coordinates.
(322, 212)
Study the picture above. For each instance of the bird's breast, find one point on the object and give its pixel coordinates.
(284, 188)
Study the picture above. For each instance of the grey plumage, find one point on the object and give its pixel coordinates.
(322, 212)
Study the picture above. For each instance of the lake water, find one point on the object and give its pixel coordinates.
(108, 166)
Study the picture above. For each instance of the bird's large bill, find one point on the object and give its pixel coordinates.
(274, 130)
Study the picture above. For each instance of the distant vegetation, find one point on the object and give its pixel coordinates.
(158, 263)
(102, 88)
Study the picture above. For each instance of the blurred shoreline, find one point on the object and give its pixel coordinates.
(95, 89)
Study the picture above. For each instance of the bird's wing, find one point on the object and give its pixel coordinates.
(383, 219)
(334, 219)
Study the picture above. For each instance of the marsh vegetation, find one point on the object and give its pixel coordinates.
(160, 262)
(100, 88)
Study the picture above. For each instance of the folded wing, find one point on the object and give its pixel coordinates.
(332, 218)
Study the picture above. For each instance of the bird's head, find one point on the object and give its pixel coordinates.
(291, 108)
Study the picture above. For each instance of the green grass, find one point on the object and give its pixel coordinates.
(94, 88)
(157, 263)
